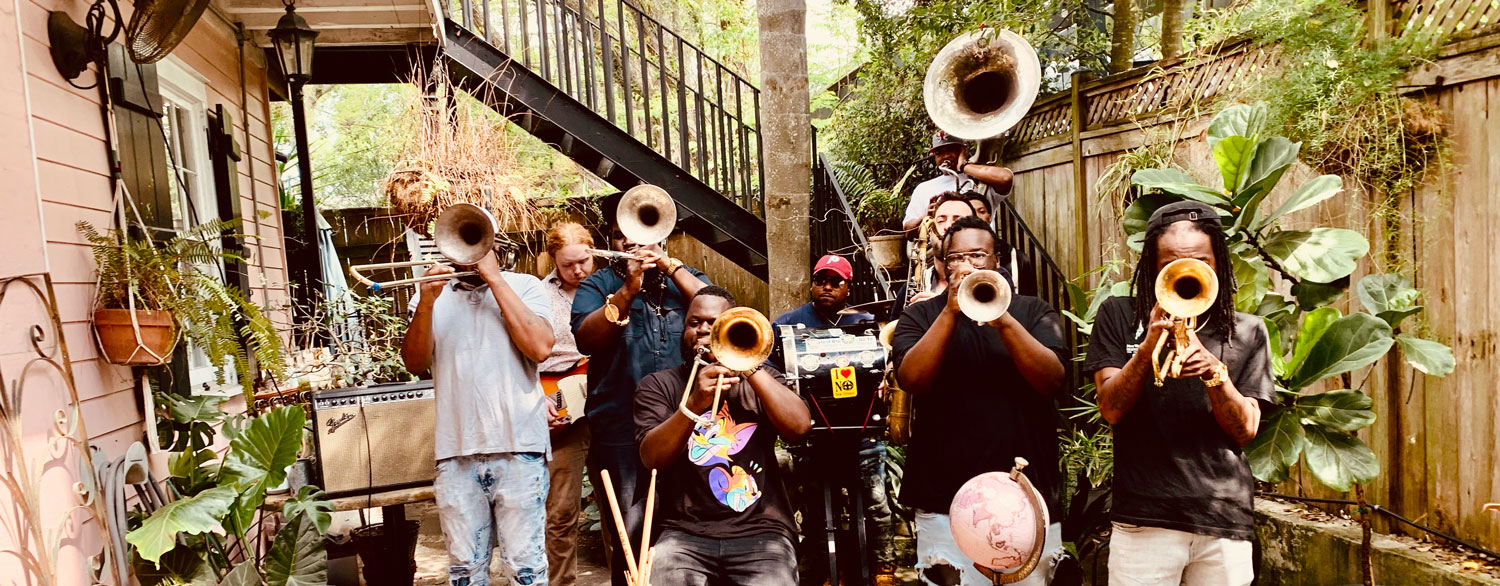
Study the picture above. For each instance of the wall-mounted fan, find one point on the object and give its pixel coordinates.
(157, 26)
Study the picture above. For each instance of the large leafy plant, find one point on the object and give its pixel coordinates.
(181, 275)
(1311, 341)
(201, 537)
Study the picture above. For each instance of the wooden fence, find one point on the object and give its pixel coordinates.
(1436, 438)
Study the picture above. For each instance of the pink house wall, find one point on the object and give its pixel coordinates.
(53, 173)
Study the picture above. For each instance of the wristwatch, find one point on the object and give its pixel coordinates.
(612, 313)
(1221, 374)
(672, 266)
(961, 165)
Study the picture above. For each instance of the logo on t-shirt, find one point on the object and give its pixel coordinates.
(713, 445)
(1131, 348)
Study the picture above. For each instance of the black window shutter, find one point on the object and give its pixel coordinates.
(224, 156)
(142, 146)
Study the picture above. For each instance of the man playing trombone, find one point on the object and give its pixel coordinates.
(628, 320)
(481, 337)
(985, 394)
(1183, 494)
(724, 513)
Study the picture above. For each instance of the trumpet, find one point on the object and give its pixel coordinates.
(983, 296)
(1185, 289)
(613, 254)
(464, 234)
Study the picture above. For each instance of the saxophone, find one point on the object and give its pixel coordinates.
(899, 412)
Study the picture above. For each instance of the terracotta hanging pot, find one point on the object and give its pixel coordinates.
(117, 336)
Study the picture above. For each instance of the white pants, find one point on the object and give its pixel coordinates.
(941, 563)
(1152, 556)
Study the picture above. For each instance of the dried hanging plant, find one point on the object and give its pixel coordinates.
(457, 152)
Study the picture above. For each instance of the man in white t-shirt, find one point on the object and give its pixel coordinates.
(481, 337)
(956, 174)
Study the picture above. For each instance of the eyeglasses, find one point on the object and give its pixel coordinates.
(970, 258)
(822, 280)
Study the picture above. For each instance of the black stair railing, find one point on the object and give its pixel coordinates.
(640, 76)
(1039, 274)
(836, 231)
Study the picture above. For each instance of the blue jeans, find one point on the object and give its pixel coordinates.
(627, 472)
(683, 559)
(490, 498)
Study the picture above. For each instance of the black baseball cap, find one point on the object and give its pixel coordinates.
(1178, 211)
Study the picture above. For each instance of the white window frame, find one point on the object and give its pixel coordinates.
(186, 89)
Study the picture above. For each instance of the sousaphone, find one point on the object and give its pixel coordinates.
(982, 83)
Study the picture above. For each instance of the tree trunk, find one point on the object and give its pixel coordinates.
(787, 136)
(1171, 28)
(1366, 562)
(1122, 38)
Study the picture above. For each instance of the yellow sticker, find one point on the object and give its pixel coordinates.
(844, 384)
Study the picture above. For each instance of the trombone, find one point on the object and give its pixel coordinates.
(646, 215)
(464, 234)
(1185, 288)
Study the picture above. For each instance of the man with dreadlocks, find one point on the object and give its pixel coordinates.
(1183, 490)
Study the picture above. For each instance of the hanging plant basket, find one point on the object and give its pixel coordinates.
(885, 250)
(146, 340)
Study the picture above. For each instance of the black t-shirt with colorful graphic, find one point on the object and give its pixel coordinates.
(726, 484)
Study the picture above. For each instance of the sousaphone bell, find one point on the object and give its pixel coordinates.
(982, 83)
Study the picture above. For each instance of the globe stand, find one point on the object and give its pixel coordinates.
(999, 577)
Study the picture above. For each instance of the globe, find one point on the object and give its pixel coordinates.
(994, 521)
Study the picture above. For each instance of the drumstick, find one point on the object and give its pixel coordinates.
(614, 507)
(646, 530)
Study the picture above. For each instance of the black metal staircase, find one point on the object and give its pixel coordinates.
(626, 98)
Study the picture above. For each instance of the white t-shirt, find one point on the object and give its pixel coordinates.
(923, 194)
(489, 397)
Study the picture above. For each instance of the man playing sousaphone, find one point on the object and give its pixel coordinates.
(985, 394)
(628, 319)
(723, 509)
(1183, 491)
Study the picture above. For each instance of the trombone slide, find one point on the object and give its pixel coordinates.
(354, 270)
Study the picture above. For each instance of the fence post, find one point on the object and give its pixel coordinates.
(1378, 18)
(1080, 177)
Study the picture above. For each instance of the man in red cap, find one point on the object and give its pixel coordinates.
(829, 296)
(958, 175)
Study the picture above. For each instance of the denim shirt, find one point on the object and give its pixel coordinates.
(652, 341)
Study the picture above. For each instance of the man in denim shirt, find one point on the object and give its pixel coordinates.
(629, 321)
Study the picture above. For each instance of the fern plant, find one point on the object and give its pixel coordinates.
(169, 276)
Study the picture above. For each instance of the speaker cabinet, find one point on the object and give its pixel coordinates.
(375, 438)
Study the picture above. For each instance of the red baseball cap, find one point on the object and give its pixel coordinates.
(835, 263)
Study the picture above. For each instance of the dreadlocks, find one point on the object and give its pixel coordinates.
(1143, 283)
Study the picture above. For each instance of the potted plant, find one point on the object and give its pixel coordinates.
(878, 210)
(151, 293)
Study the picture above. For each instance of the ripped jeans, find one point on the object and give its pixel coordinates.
(941, 563)
(489, 498)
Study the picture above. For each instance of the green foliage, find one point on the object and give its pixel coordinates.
(181, 542)
(878, 209)
(182, 275)
(364, 332)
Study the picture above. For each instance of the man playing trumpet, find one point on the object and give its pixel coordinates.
(724, 512)
(984, 392)
(628, 320)
(1183, 490)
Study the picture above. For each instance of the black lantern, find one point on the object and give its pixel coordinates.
(294, 46)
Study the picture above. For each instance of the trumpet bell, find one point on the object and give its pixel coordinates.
(983, 296)
(464, 233)
(982, 83)
(741, 339)
(646, 214)
(1186, 287)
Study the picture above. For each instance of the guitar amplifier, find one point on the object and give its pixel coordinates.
(376, 438)
(838, 372)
